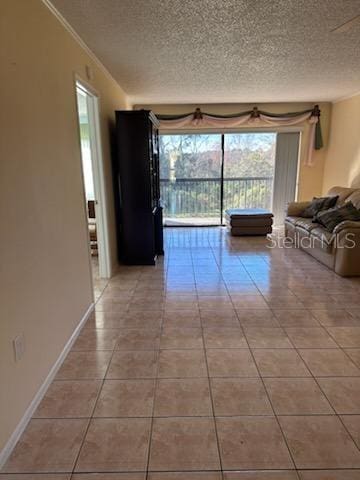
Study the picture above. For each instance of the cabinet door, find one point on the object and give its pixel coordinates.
(156, 163)
(154, 166)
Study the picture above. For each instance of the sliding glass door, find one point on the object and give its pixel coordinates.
(190, 179)
(202, 175)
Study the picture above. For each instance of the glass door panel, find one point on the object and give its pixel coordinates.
(249, 163)
(190, 179)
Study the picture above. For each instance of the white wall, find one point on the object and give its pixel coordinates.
(342, 166)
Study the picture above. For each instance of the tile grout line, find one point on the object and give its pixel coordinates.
(264, 387)
(93, 410)
(272, 407)
(148, 279)
(335, 414)
(210, 382)
(155, 389)
(325, 395)
(210, 392)
(323, 392)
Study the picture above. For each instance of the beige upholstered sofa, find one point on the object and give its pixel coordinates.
(339, 250)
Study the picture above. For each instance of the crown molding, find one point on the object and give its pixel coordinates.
(346, 97)
(80, 41)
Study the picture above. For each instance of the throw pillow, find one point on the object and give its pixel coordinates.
(317, 204)
(333, 216)
(330, 202)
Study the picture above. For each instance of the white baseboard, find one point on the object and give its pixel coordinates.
(10, 445)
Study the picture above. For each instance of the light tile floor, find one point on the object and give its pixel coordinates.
(228, 360)
(99, 284)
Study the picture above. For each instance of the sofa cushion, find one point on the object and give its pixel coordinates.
(306, 224)
(332, 217)
(354, 198)
(324, 238)
(342, 192)
(319, 203)
(292, 220)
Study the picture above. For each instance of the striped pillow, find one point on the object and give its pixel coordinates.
(333, 216)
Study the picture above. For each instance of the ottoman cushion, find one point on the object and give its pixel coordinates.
(252, 221)
(248, 212)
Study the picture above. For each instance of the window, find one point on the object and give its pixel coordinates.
(201, 175)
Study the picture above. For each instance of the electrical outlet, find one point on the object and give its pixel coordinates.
(19, 347)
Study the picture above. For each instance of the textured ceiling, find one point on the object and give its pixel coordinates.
(183, 51)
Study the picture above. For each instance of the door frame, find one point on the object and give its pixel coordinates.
(101, 210)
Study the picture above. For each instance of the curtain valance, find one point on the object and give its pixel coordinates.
(253, 118)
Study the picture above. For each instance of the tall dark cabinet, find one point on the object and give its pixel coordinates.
(139, 213)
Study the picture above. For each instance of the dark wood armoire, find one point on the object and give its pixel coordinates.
(139, 213)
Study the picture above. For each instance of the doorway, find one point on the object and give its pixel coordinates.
(94, 187)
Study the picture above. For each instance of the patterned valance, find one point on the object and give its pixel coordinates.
(253, 118)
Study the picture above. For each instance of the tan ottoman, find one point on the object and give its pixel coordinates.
(251, 221)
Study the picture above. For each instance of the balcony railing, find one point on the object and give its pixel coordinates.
(200, 197)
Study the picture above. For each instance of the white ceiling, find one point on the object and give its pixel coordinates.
(212, 51)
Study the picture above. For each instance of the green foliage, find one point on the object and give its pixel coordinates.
(185, 158)
(84, 131)
(199, 155)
